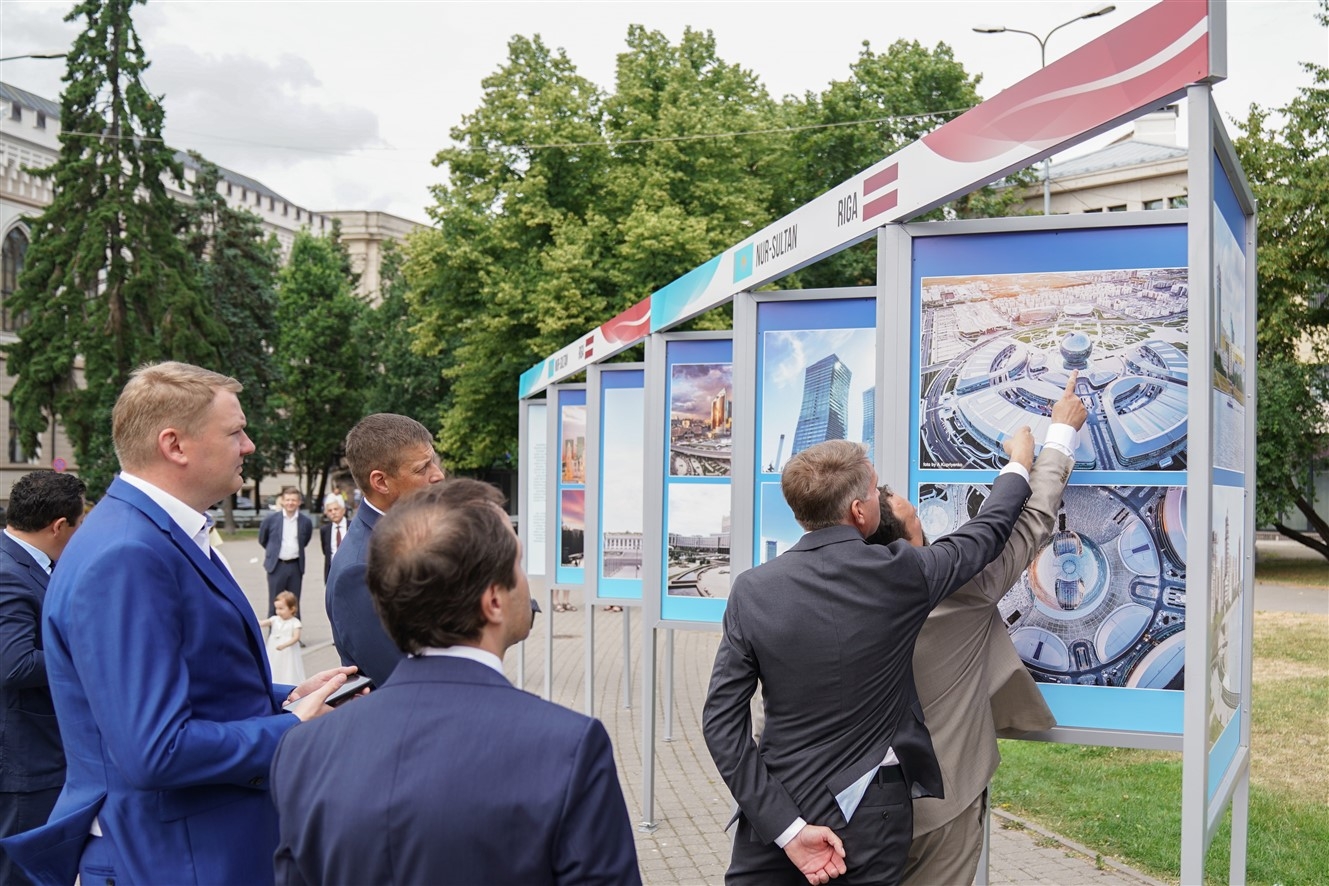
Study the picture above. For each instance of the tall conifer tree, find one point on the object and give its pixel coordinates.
(107, 282)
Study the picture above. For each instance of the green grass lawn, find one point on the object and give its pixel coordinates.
(1299, 571)
(1127, 803)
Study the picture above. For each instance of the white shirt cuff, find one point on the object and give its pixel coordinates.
(1062, 438)
(790, 832)
(1014, 467)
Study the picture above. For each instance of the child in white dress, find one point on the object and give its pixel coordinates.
(288, 666)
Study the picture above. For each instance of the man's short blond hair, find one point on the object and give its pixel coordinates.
(821, 482)
(160, 396)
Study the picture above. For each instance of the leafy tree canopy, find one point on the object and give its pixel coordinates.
(107, 283)
(321, 389)
(565, 204)
(1287, 165)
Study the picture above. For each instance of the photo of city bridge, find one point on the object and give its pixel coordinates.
(997, 350)
(701, 419)
(698, 542)
(1104, 601)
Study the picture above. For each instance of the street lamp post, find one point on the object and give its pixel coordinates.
(1042, 63)
(10, 58)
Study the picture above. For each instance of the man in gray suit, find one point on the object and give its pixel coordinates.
(828, 628)
(970, 679)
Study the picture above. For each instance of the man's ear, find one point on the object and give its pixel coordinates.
(171, 446)
(491, 606)
(378, 482)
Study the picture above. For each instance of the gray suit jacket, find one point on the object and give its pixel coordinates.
(828, 628)
(970, 678)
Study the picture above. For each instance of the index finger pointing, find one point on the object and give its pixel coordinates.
(1070, 383)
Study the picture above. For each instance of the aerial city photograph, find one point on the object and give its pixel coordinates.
(997, 350)
(1104, 601)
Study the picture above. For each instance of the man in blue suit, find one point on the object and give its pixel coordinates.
(44, 510)
(389, 455)
(284, 536)
(156, 664)
(448, 773)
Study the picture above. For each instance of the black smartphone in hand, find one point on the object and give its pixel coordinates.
(354, 685)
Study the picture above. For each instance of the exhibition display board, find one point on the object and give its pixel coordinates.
(1135, 617)
(689, 460)
(614, 481)
(1000, 318)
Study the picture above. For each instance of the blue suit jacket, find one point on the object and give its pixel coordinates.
(166, 702)
(356, 628)
(31, 758)
(450, 774)
(269, 535)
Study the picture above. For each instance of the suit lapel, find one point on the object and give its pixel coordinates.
(21, 556)
(217, 576)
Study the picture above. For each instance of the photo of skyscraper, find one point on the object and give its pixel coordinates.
(701, 419)
(813, 387)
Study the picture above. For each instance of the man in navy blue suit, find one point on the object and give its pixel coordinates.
(448, 773)
(284, 536)
(44, 510)
(389, 455)
(156, 664)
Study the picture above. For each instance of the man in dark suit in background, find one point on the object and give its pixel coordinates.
(333, 531)
(284, 536)
(457, 776)
(44, 510)
(828, 628)
(970, 679)
(389, 455)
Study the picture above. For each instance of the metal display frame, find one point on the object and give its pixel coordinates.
(595, 410)
(553, 521)
(532, 497)
(747, 443)
(1154, 58)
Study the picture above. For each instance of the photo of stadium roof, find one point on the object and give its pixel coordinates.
(1104, 601)
(997, 351)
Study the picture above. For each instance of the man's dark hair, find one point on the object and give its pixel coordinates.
(42, 497)
(379, 443)
(891, 528)
(431, 559)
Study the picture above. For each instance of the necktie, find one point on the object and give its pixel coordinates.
(336, 537)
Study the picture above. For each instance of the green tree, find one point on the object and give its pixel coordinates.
(508, 217)
(1287, 166)
(895, 97)
(564, 206)
(237, 265)
(107, 281)
(318, 354)
(408, 382)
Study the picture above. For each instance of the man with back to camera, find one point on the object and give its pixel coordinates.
(333, 531)
(44, 510)
(828, 629)
(971, 681)
(389, 455)
(284, 535)
(156, 664)
(457, 776)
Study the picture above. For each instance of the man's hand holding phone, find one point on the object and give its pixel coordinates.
(314, 697)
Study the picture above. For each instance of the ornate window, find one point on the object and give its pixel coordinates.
(11, 265)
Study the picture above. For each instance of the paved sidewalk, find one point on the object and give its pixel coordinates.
(692, 805)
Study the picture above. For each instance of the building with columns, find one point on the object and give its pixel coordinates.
(29, 138)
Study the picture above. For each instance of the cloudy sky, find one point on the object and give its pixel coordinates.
(342, 105)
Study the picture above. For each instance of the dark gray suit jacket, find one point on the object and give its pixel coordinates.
(828, 628)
